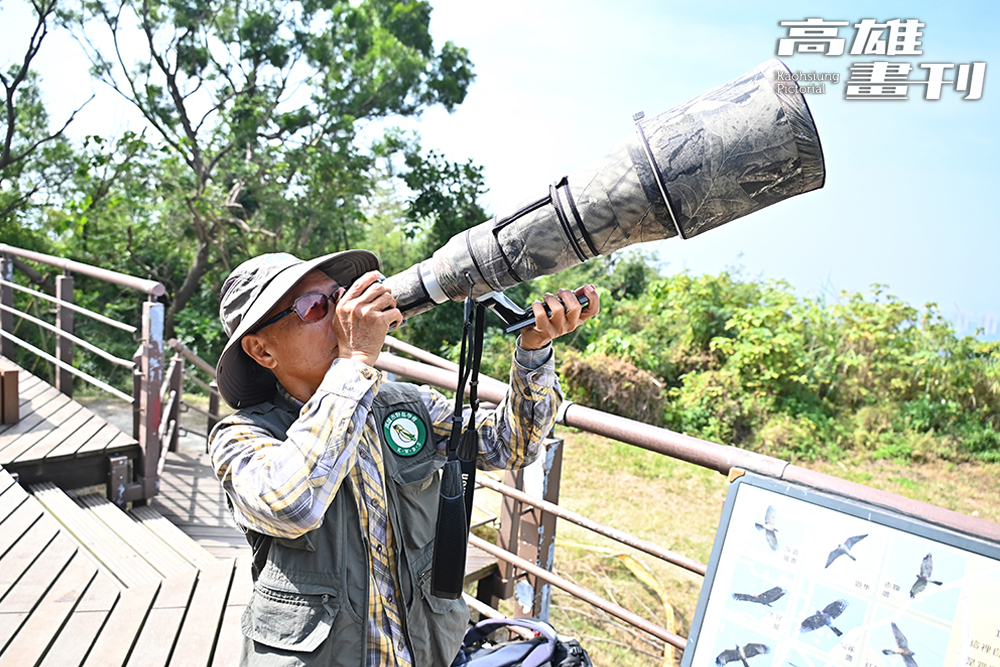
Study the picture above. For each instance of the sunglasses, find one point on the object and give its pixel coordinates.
(309, 307)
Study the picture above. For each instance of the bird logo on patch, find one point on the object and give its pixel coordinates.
(404, 435)
(404, 432)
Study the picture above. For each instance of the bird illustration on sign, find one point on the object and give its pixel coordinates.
(825, 617)
(844, 549)
(769, 528)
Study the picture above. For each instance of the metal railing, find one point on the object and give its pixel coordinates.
(149, 429)
(727, 460)
(524, 552)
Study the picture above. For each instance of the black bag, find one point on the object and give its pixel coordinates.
(545, 649)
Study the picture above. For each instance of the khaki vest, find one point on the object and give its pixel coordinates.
(309, 604)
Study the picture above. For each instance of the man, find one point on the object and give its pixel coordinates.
(334, 473)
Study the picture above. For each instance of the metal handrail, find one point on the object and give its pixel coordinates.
(127, 363)
(711, 455)
(183, 350)
(655, 550)
(72, 306)
(579, 591)
(62, 364)
(150, 287)
(201, 383)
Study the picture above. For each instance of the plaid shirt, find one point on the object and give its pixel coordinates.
(284, 487)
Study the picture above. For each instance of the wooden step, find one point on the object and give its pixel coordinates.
(63, 604)
(109, 550)
(161, 555)
(160, 526)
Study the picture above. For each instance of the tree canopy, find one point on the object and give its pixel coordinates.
(254, 113)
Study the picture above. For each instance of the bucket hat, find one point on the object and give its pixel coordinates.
(250, 293)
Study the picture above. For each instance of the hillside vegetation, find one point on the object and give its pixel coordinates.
(753, 364)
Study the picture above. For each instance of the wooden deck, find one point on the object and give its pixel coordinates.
(59, 440)
(84, 584)
(71, 596)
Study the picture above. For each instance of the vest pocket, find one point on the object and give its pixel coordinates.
(436, 626)
(289, 621)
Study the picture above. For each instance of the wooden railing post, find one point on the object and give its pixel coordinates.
(7, 299)
(537, 540)
(176, 387)
(213, 406)
(545, 523)
(150, 401)
(64, 322)
(500, 585)
(136, 392)
(528, 533)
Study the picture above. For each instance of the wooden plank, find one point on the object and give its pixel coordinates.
(71, 445)
(37, 418)
(154, 551)
(18, 522)
(24, 551)
(478, 564)
(99, 441)
(48, 427)
(39, 632)
(186, 544)
(157, 639)
(155, 522)
(112, 552)
(84, 625)
(6, 482)
(24, 596)
(37, 396)
(51, 402)
(118, 636)
(27, 381)
(68, 427)
(204, 617)
(120, 441)
(230, 643)
(32, 387)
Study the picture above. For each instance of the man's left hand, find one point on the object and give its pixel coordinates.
(567, 315)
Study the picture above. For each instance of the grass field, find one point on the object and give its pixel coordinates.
(677, 505)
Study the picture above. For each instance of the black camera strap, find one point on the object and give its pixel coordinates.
(458, 477)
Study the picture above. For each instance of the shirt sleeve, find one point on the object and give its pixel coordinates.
(510, 436)
(283, 487)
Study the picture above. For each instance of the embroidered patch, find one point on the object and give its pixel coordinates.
(405, 432)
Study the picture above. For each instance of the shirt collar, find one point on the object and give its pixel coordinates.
(282, 394)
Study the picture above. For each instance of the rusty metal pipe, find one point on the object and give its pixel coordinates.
(578, 591)
(150, 287)
(607, 531)
(188, 354)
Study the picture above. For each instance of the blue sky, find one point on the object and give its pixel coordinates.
(906, 201)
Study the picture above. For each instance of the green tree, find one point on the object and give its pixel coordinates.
(34, 160)
(254, 110)
(444, 201)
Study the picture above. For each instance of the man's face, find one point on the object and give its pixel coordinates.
(301, 352)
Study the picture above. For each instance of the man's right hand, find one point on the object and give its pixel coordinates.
(363, 317)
